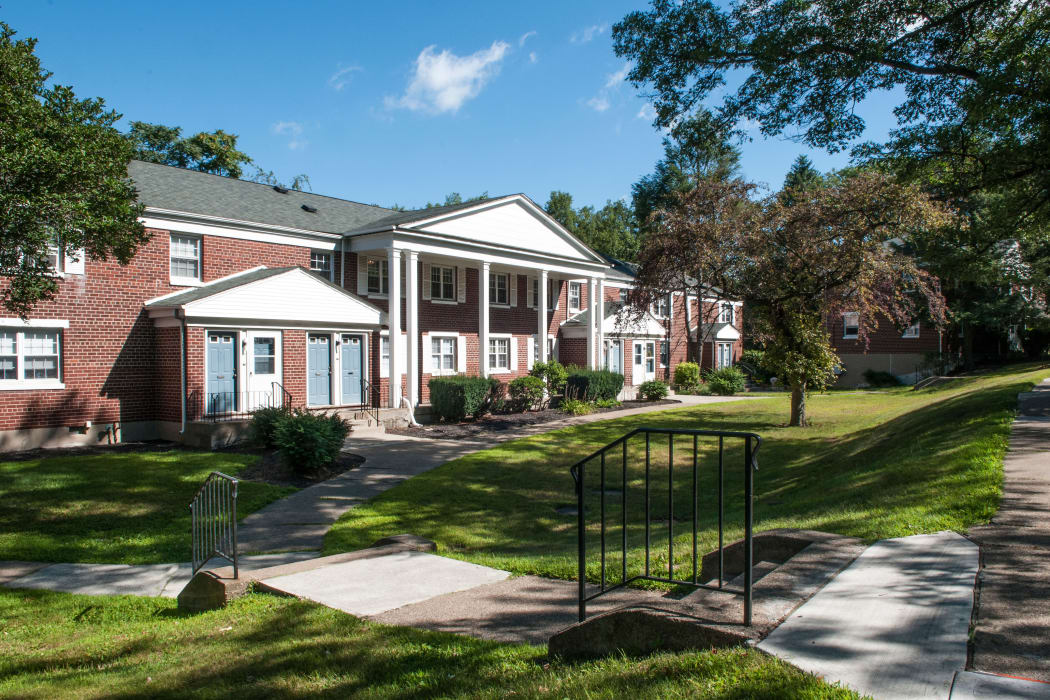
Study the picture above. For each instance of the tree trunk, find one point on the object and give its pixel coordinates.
(798, 406)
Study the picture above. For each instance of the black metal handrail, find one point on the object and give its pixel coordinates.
(285, 395)
(752, 443)
(215, 406)
(213, 521)
(369, 402)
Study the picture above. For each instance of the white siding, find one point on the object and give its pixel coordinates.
(509, 224)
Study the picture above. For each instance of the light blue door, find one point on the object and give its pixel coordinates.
(352, 361)
(318, 370)
(222, 375)
(615, 356)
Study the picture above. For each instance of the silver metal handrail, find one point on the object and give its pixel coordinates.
(213, 516)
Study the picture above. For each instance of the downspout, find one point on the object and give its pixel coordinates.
(182, 367)
(342, 262)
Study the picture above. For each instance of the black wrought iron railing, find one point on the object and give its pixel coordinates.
(212, 406)
(213, 518)
(371, 399)
(635, 471)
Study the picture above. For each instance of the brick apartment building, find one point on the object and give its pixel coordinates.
(904, 355)
(248, 295)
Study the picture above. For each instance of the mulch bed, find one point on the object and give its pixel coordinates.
(120, 447)
(496, 424)
(271, 469)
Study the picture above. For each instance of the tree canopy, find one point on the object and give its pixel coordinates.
(825, 251)
(64, 185)
(612, 230)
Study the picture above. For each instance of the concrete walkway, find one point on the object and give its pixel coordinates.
(124, 579)
(300, 521)
(1012, 633)
(893, 624)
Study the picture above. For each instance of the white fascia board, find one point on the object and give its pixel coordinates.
(155, 300)
(319, 325)
(232, 228)
(463, 250)
(35, 323)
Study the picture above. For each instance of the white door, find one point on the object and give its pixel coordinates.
(264, 369)
(725, 355)
(644, 361)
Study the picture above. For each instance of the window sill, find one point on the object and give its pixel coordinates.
(499, 370)
(375, 295)
(31, 385)
(850, 337)
(185, 282)
(493, 305)
(449, 302)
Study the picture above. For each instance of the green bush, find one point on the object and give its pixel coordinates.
(607, 403)
(653, 390)
(552, 374)
(455, 398)
(726, 381)
(263, 424)
(592, 385)
(877, 378)
(687, 375)
(308, 442)
(753, 364)
(575, 407)
(526, 392)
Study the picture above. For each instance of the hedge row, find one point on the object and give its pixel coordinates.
(455, 398)
(593, 384)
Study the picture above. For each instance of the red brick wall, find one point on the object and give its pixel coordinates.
(115, 365)
(885, 339)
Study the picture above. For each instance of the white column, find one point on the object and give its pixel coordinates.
(600, 322)
(394, 322)
(592, 312)
(483, 319)
(541, 313)
(412, 324)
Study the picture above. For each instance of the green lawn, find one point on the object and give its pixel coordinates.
(118, 508)
(874, 465)
(59, 645)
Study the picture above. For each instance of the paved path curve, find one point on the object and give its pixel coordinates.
(300, 521)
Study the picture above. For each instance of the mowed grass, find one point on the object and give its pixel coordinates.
(115, 508)
(70, 646)
(873, 465)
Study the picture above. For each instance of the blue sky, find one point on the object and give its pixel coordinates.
(386, 103)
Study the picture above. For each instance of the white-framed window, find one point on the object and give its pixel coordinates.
(442, 355)
(726, 314)
(442, 283)
(185, 259)
(575, 292)
(321, 263)
(378, 276)
(30, 358)
(384, 350)
(850, 324)
(660, 307)
(62, 264)
(911, 331)
(624, 291)
(552, 294)
(499, 354)
(665, 353)
(534, 293)
(499, 288)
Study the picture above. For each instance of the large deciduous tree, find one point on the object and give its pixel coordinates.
(612, 230)
(210, 152)
(64, 186)
(800, 260)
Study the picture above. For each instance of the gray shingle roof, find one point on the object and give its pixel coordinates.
(178, 189)
(211, 288)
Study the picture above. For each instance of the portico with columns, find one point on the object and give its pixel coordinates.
(483, 290)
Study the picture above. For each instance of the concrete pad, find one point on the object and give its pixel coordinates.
(375, 585)
(972, 685)
(184, 572)
(11, 570)
(100, 579)
(893, 624)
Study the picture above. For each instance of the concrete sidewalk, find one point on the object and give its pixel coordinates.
(164, 580)
(893, 624)
(300, 521)
(1012, 634)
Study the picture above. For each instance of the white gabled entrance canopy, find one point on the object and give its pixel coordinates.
(287, 297)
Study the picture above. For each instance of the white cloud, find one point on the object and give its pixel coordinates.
(647, 112)
(342, 76)
(599, 103)
(615, 79)
(292, 129)
(587, 34)
(533, 58)
(748, 124)
(442, 82)
(524, 38)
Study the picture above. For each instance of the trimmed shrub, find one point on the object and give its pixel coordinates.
(653, 390)
(553, 375)
(264, 423)
(592, 385)
(726, 381)
(526, 392)
(607, 403)
(308, 442)
(878, 379)
(576, 407)
(455, 398)
(687, 375)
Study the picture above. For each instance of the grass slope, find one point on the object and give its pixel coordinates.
(59, 645)
(116, 508)
(874, 465)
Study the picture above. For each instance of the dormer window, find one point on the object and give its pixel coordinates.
(661, 308)
(726, 314)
